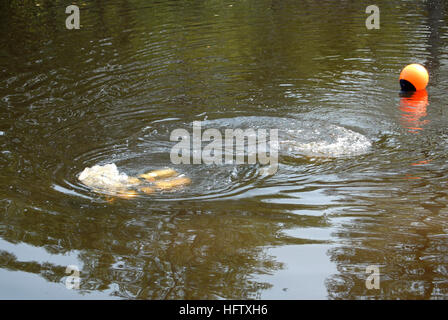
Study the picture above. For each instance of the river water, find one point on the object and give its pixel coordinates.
(114, 90)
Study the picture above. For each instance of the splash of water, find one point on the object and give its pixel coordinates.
(105, 177)
(331, 141)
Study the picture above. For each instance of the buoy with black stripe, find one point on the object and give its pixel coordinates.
(414, 77)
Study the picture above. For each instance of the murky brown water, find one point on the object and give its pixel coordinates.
(113, 91)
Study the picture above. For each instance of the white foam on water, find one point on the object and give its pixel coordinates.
(331, 141)
(106, 177)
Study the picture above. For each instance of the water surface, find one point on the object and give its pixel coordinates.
(113, 91)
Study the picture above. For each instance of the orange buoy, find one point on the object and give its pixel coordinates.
(414, 77)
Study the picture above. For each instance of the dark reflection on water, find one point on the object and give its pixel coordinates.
(114, 90)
